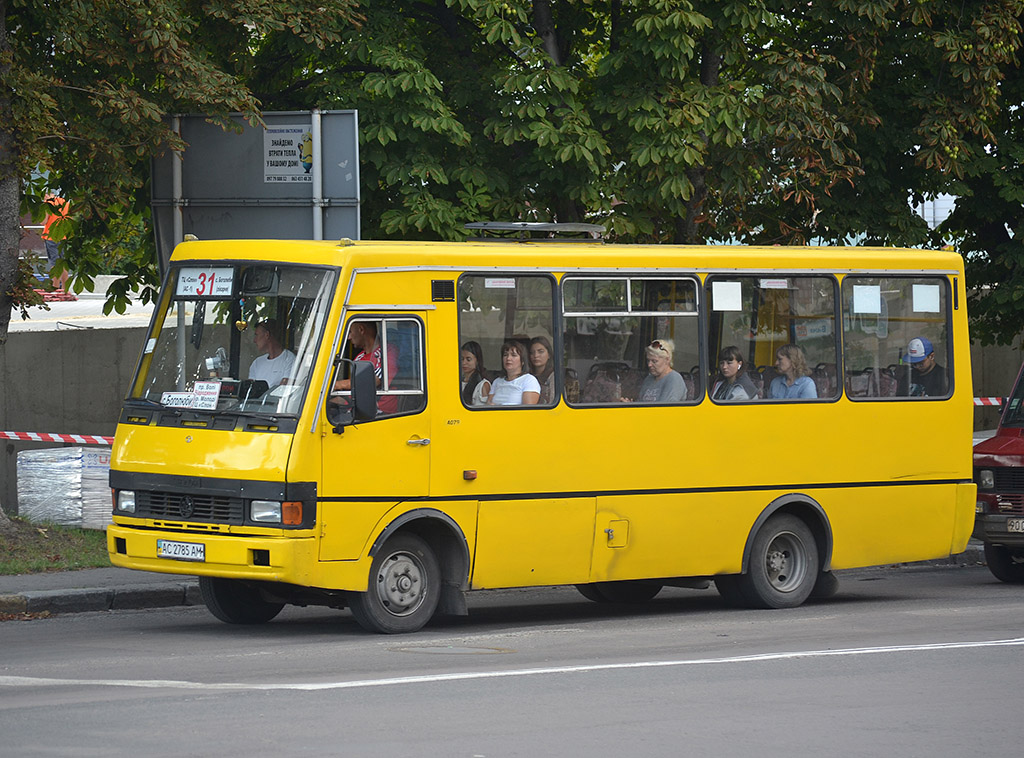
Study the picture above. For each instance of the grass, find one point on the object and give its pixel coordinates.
(33, 548)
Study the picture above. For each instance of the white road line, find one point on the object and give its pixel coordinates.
(31, 681)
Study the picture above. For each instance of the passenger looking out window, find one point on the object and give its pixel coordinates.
(794, 380)
(516, 386)
(662, 384)
(475, 386)
(543, 367)
(733, 382)
(925, 377)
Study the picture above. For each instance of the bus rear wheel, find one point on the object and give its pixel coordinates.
(404, 587)
(634, 591)
(783, 564)
(1005, 563)
(234, 601)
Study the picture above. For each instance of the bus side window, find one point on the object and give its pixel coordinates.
(507, 316)
(783, 327)
(394, 347)
(896, 337)
(631, 339)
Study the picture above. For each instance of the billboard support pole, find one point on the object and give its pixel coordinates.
(318, 177)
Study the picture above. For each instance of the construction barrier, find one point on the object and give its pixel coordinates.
(78, 439)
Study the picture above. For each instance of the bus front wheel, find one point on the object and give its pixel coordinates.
(236, 602)
(783, 565)
(404, 587)
(1005, 563)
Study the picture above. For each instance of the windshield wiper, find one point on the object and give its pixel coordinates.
(145, 402)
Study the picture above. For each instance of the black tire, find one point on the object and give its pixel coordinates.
(235, 601)
(783, 564)
(1005, 563)
(633, 591)
(404, 587)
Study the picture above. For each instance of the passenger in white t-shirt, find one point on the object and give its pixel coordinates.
(516, 386)
(276, 365)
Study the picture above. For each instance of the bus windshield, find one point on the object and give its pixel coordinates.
(235, 337)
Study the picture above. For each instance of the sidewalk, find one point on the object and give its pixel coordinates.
(118, 589)
(104, 589)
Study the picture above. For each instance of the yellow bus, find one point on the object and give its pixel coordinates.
(385, 426)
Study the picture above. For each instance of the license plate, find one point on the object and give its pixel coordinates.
(1015, 525)
(181, 551)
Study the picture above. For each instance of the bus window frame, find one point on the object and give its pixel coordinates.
(345, 346)
(656, 274)
(948, 319)
(837, 327)
(556, 336)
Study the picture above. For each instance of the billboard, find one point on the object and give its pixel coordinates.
(296, 178)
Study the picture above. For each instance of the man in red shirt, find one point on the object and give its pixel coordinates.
(363, 337)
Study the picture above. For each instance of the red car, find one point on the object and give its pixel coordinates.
(999, 474)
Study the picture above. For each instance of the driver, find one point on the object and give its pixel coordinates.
(274, 365)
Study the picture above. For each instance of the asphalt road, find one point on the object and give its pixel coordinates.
(902, 662)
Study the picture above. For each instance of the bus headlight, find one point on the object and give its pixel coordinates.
(273, 512)
(126, 501)
(986, 479)
(265, 511)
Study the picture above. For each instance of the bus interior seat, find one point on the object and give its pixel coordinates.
(604, 382)
(824, 376)
(691, 384)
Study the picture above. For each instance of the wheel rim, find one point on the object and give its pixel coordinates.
(401, 584)
(785, 562)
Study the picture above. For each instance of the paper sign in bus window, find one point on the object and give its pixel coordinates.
(867, 298)
(926, 298)
(726, 296)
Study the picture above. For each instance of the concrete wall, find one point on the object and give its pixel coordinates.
(68, 381)
(73, 382)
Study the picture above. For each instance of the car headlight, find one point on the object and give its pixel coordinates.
(126, 501)
(986, 479)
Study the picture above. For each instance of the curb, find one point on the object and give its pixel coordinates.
(102, 599)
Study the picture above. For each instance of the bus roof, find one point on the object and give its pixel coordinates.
(561, 256)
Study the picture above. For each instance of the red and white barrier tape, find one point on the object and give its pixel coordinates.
(78, 439)
(988, 401)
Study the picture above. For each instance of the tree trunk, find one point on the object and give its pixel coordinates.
(10, 189)
(688, 232)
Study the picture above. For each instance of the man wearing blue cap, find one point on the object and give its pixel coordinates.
(925, 377)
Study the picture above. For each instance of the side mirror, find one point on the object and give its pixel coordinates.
(361, 403)
(364, 391)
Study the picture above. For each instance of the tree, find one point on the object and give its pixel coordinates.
(661, 119)
(84, 89)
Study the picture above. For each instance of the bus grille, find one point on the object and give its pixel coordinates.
(186, 507)
(1009, 479)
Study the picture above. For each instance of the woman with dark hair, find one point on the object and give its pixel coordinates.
(733, 384)
(475, 387)
(794, 380)
(542, 366)
(516, 385)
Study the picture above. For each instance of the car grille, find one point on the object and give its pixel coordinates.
(179, 506)
(1010, 503)
(1009, 479)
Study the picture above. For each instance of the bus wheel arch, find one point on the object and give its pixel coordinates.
(449, 544)
(808, 510)
(786, 557)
